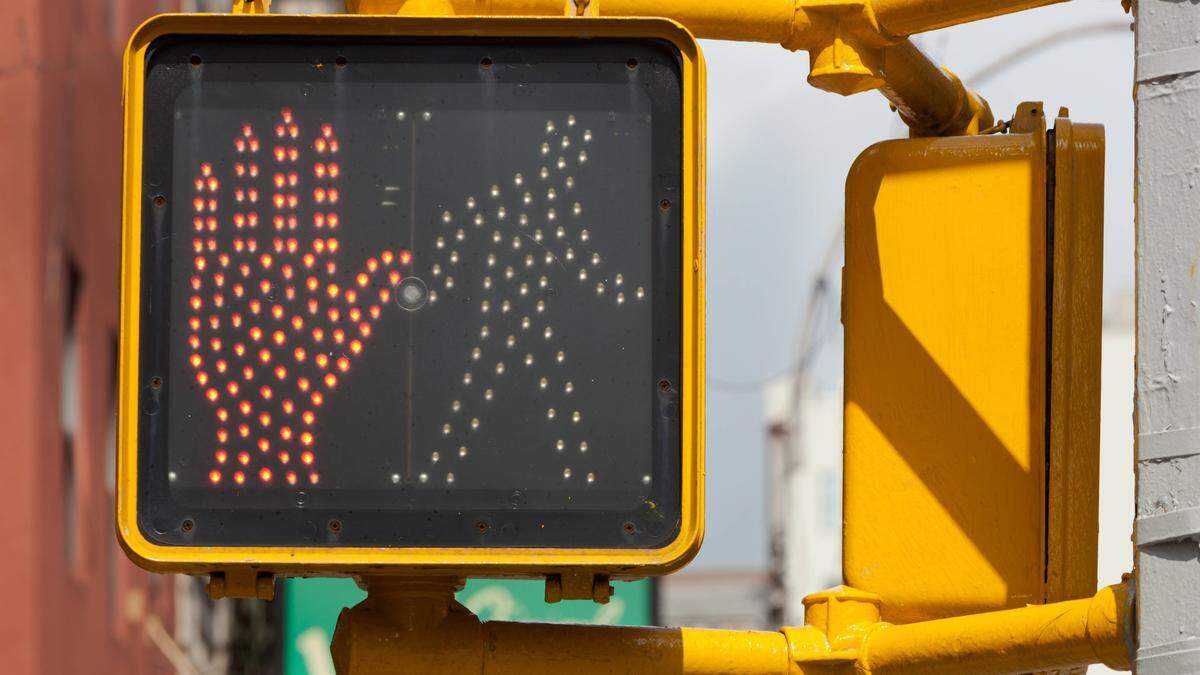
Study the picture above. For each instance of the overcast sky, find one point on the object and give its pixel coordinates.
(778, 152)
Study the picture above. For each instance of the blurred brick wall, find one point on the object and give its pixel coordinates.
(66, 583)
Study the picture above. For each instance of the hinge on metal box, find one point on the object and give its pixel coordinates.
(578, 586)
(241, 583)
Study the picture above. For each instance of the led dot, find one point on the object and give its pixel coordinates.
(537, 235)
(551, 194)
(450, 477)
(568, 387)
(591, 478)
(566, 473)
(583, 156)
(401, 116)
(454, 257)
(529, 359)
(570, 182)
(466, 378)
(485, 306)
(395, 478)
(551, 215)
(423, 478)
(550, 413)
(518, 179)
(600, 288)
(484, 332)
(595, 259)
(646, 479)
(541, 306)
(582, 274)
(549, 258)
(501, 213)
(449, 282)
(583, 446)
(545, 173)
(446, 429)
(640, 292)
(462, 451)
(474, 423)
(426, 115)
(560, 357)
(460, 235)
(576, 208)
(525, 323)
(523, 220)
(508, 272)
(549, 127)
(446, 217)
(510, 341)
(487, 283)
(566, 142)
(436, 269)
(470, 202)
(542, 383)
(495, 190)
(479, 219)
(576, 416)
(545, 148)
(559, 445)
(435, 457)
(562, 163)
(487, 395)
(620, 298)
(500, 368)
(505, 306)
(570, 254)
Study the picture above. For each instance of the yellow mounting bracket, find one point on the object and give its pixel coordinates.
(251, 7)
(578, 586)
(845, 45)
(241, 583)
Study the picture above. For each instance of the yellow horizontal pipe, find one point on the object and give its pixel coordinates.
(1061, 635)
(908, 17)
(931, 101)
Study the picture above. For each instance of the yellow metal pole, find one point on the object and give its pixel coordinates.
(1060, 635)
(932, 101)
(907, 17)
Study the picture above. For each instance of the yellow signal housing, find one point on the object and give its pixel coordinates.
(972, 316)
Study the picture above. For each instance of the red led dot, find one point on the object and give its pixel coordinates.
(318, 335)
(196, 302)
(286, 115)
(386, 257)
(351, 297)
(285, 433)
(222, 435)
(280, 153)
(291, 477)
(333, 170)
(322, 360)
(214, 322)
(306, 438)
(306, 458)
(362, 279)
(202, 378)
(198, 204)
(292, 178)
(312, 283)
(239, 169)
(394, 278)
(314, 478)
(292, 246)
(255, 333)
(205, 169)
(222, 414)
(243, 430)
(318, 398)
(374, 311)
(243, 457)
(264, 355)
(293, 153)
(297, 322)
(239, 349)
(384, 295)
(196, 360)
(278, 337)
(265, 287)
(194, 341)
(265, 392)
(299, 353)
(333, 195)
(240, 144)
(339, 336)
(239, 290)
(264, 474)
(221, 365)
(221, 456)
(244, 407)
(280, 373)
(365, 329)
(319, 170)
(223, 259)
(343, 364)
(233, 388)
(265, 260)
(214, 477)
(239, 477)
(332, 290)
(334, 314)
(320, 145)
(215, 343)
(405, 256)
(212, 394)
(355, 346)
(330, 267)
(277, 311)
(284, 457)
(313, 306)
(288, 406)
(332, 219)
(308, 417)
(255, 307)
(264, 419)
(252, 218)
(264, 445)
(302, 383)
(319, 220)
(332, 245)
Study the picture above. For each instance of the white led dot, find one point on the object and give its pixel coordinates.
(529, 359)
(510, 341)
(541, 306)
(562, 163)
(485, 306)
(524, 289)
(527, 198)
(450, 477)
(548, 333)
(171, 475)
(524, 323)
(474, 423)
(550, 413)
(620, 298)
(453, 257)
(433, 296)
(551, 194)
(505, 306)
(456, 406)
(549, 127)
(470, 202)
(516, 243)
(587, 135)
(449, 282)
(475, 354)
(646, 479)
(401, 116)
(537, 235)
(440, 243)
(523, 220)
(595, 259)
(543, 282)
(570, 182)
(560, 357)
(582, 156)
(529, 260)
(570, 120)
(436, 269)
(583, 275)
(575, 417)
(426, 115)
(496, 236)
(566, 141)
(508, 272)
(423, 478)
(462, 451)
(600, 288)
(495, 190)
(460, 235)
(518, 179)
(568, 387)
(570, 254)
(478, 219)
(583, 446)
(545, 148)
(487, 395)
(542, 383)
(483, 332)
(577, 208)
(466, 378)
(619, 279)
(446, 217)
(559, 445)
(548, 258)
(446, 429)
(551, 215)
(500, 368)
(583, 235)
(566, 473)
(560, 232)
(491, 260)
(591, 478)
(487, 283)
(501, 213)
(435, 457)
(396, 476)
(544, 173)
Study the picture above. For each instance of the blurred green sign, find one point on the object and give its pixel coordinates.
(311, 608)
